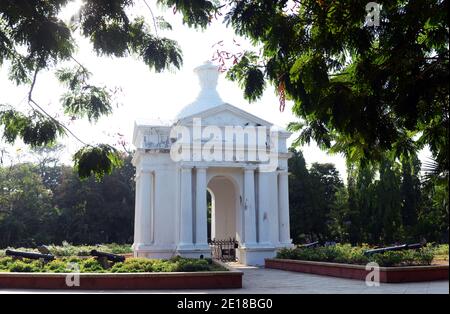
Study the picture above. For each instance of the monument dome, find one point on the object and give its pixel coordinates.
(208, 76)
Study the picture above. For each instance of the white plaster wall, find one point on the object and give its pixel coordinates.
(165, 206)
(164, 203)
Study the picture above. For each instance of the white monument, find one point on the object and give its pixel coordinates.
(240, 159)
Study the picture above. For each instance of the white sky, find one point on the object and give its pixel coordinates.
(147, 95)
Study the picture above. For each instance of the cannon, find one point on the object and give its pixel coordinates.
(108, 256)
(30, 255)
(414, 246)
(310, 245)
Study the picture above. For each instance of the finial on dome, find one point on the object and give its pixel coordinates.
(208, 75)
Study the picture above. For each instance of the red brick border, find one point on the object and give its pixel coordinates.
(230, 279)
(387, 274)
(137, 281)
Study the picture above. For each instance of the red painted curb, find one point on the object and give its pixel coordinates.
(359, 272)
(136, 281)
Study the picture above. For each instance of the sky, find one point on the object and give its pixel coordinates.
(145, 94)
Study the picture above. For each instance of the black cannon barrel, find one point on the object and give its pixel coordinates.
(310, 245)
(30, 255)
(414, 246)
(109, 256)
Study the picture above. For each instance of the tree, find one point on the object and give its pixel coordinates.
(96, 212)
(338, 216)
(47, 159)
(33, 38)
(324, 184)
(301, 210)
(73, 210)
(27, 216)
(312, 199)
(389, 201)
(362, 221)
(360, 90)
(410, 191)
(433, 216)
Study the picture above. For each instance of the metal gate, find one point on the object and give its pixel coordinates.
(224, 250)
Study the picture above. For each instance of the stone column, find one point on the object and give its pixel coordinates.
(264, 211)
(186, 217)
(137, 214)
(201, 214)
(144, 209)
(283, 207)
(249, 207)
(136, 211)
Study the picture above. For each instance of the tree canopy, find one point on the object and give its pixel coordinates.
(45, 203)
(382, 204)
(358, 89)
(33, 38)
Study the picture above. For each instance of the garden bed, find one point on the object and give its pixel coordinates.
(346, 261)
(387, 274)
(133, 274)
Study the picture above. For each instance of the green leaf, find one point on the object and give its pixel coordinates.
(83, 99)
(35, 130)
(196, 13)
(96, 160)
(249, 76)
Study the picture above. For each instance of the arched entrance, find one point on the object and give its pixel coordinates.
(223, 208)
(224, 205)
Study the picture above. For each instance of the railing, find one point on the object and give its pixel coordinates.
(224, 250)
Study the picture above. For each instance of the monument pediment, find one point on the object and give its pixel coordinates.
(225, 115)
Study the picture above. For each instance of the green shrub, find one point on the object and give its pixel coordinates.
(133, 265)
(286, 253)
(5, 264)
(176, 264)
(118, 248)
(441, 251)
(164, 266)
(66, 249)
(61, 265)
(91, 265)
(192, 265)
(388, 259)
(56, 266)
(25, 266)
(425, 256)
(345, 253)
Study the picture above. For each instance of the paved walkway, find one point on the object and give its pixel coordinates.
(260, 280)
